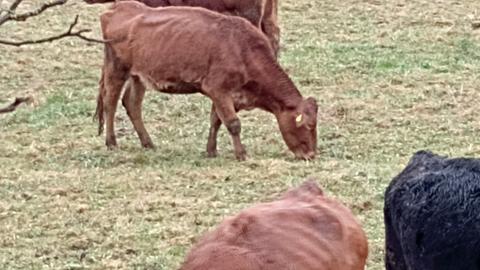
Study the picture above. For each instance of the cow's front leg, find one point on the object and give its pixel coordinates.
(215, 124)
(226, 112)
(234, 128)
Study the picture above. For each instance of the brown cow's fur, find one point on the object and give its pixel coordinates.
(261, 13)
(303, 231)
(231, 62)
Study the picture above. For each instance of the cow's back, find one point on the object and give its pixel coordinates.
(287, 234)
(306, 234)
(177, 41)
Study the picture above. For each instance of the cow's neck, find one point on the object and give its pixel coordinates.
(279, 89)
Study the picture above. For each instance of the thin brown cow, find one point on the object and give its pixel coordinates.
(304, 230)
(232, 63)
(261, 13)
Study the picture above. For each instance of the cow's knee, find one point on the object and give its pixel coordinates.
(234, 127)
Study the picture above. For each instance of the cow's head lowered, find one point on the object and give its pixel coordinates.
(299, 128)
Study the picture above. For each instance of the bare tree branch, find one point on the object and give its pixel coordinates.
(11, 15)
(10, 11)
(38, 11)
(15, 4)
(13, 106)
(68, 33)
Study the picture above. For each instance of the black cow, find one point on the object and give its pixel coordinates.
(432, 215)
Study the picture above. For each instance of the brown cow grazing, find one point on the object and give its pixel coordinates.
(231, 62)
(303, 230)
(261, 13)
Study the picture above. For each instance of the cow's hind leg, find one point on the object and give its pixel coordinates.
(215, 124)
(115, 75)
(132, 101)
(269, 24)
(99, 112)
(272, 31)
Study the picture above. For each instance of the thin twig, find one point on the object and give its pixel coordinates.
(14, 5)
(13, 106)
(42, 8)
(10, 14)
(10, 11)
(68, 33)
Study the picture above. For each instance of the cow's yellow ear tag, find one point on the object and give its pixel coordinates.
(299, 118)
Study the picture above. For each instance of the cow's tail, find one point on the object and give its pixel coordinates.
(99, 112)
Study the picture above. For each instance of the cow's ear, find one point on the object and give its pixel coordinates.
(309, 112)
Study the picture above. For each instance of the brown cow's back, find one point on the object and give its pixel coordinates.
(153, 40)
(261, 13)
(297, 232)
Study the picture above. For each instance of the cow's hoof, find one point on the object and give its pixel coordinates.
(112, 147)
(212, 154)
(241, 156)
(148, 146)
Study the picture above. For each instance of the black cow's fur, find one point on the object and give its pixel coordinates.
(432, 215)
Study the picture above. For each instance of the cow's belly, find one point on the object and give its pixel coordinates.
(170, 87)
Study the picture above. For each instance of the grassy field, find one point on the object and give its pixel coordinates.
(391, 77)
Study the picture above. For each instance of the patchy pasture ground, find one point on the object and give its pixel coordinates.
(391, 77)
